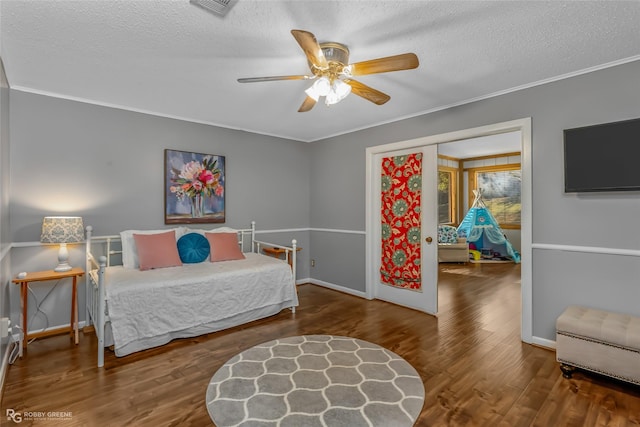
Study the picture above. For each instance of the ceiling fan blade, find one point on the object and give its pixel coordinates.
(311, 48)
(307, 104)
(405, 61)
(272, 78)
(368, 93)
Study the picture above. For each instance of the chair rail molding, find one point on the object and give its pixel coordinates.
(587, 249)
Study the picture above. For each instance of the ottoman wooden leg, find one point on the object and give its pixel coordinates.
(567, 370)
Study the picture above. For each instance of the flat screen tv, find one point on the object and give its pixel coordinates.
(604, 157)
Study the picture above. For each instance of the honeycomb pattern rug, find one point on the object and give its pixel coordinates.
(315, 380)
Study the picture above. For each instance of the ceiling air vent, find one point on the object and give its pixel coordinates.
(219, 7)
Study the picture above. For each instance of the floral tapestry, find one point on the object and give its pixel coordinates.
(194, 187)
(401, 188)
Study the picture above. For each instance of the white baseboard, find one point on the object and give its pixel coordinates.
(337, 288)
(543, 342)
(61, 328)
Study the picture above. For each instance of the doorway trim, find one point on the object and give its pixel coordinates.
(522, 125)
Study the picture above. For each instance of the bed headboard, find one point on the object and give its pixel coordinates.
(111, 246)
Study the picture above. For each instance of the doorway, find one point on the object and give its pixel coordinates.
(373, 216)
(490, 165)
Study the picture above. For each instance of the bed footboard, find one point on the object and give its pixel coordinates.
(290, 255)
(96, 296)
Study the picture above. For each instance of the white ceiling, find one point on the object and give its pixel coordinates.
(502, 143)
(175, 59)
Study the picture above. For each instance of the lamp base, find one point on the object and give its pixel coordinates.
(63, 257)
(61, 268)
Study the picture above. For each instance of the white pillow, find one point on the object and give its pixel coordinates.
(129, 252)
(214, 230)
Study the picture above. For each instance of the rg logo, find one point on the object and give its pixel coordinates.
(14, 416)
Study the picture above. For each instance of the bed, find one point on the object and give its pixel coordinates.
(133, 308)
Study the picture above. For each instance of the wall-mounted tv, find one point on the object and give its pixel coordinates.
(604, 157)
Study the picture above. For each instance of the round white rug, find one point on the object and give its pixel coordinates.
(315, 380)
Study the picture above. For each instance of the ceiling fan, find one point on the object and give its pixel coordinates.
(332, 73)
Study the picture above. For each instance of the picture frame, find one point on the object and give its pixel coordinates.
(194, 187)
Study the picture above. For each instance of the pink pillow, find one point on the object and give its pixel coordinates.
(224, 246)
(157, 250)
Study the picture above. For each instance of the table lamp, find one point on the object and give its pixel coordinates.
(62, 230)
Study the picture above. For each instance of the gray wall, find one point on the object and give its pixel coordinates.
(108, 166)
(604, 220)
(341, 261)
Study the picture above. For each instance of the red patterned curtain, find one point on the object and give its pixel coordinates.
(401, 188)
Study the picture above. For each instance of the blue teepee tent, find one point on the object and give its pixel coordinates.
(482, 229)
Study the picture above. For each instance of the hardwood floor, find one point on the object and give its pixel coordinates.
(476, 371)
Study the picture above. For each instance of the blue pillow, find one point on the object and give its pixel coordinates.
(193, 248)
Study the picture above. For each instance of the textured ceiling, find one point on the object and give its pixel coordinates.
(175, 59)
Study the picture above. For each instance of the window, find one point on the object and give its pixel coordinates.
(501, 192)
(447, 185)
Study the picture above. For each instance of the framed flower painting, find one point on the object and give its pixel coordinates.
(194, 188)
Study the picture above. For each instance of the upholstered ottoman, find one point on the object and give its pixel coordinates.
(599, 341)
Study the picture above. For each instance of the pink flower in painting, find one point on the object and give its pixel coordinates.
(219, 191)
(206, 177)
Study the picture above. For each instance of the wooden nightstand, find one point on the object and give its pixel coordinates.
(42, 276)
(276, 252)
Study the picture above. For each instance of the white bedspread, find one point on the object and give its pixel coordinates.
(145, 304)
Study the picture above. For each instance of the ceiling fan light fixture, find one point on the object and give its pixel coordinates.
(312, 93)
(341, 88)
(331, 99)
(320, 87)
(339, 91)
(323, 86)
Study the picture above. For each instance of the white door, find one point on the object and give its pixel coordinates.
(426, 298)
